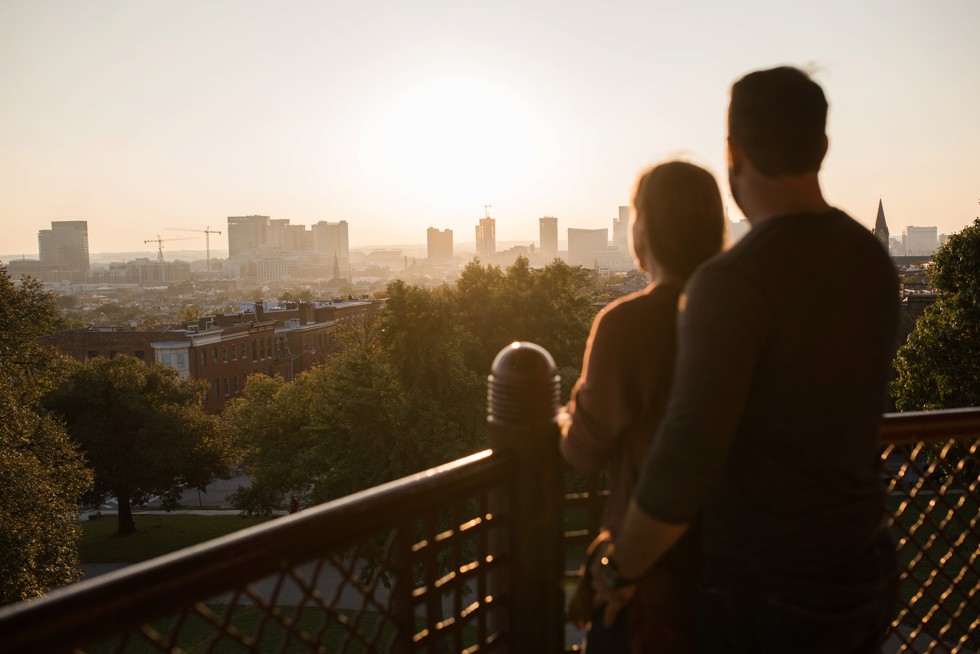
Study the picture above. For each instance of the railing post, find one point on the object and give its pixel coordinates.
(402, 607)
(523, 395)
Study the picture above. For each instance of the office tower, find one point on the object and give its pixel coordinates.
(921, 241)
(284, 238)
(330, 242)
(548, 228)
(246, 234)
(621, 227)
(65, 245)
(881, 227)
(486, 238)
(587, 247)
(440, 244)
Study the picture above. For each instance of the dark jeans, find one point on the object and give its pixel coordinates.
(607, 640)
(845, 609)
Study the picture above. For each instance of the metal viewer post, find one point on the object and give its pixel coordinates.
(522, 404)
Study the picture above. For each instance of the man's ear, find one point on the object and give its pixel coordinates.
(736, 157)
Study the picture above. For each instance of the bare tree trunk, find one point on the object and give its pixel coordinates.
(126, 524)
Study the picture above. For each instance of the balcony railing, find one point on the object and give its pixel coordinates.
(468, 557)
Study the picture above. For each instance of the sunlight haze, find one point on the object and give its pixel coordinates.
(397, 116)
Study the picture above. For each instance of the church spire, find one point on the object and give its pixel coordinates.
(881, 227)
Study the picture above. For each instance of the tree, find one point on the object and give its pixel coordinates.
(550, 306)
(444, 400)
(406, 392)
(273, 446)
(335, 429)
(939, 365)
(42, 473)
(143, 430)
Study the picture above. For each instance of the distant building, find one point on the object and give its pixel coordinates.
(486, 238)
(246, 235)
(590, 249)
(881, 228)
(587, 246)
(920, 241)
(440, 245)
(621, 230)
(143, 271)
(226, 349)
(332, 247)
(548, 228)
(65, 246)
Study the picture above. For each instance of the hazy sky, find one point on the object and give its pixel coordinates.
(395, 116)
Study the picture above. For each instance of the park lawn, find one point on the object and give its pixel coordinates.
(932, 610)
(156, 535)
(341, 630)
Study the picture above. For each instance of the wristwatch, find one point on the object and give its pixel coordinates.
(611, 574)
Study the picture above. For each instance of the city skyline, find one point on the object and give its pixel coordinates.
(143, 117)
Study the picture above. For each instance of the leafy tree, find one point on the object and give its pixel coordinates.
(143, 430)
(189, 312)
(268, 424)
(335, 429)
(407, 392)
(939, 365)
(551, 306)
(42, 474)
(444, 399)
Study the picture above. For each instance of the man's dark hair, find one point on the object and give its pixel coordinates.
(779, 117)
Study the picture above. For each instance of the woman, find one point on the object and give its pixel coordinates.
(618, 401)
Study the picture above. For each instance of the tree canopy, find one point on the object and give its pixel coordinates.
(42, 473)
(143, 430)
(939, 366)
(407, 391)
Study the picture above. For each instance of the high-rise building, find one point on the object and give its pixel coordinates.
(621, 230)
(587, 247)
(65, 245)
(921, 241)
(881, 227)
(548, 229)
(246, 235)
(486, 238)
(440, 244)
(330, 243)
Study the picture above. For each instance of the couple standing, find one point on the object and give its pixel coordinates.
(737, 401)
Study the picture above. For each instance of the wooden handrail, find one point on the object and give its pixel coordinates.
(915, 426)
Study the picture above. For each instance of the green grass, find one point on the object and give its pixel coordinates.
(924, 568)
(196, 633)
(155, 535)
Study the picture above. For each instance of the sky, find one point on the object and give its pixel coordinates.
(141, 117)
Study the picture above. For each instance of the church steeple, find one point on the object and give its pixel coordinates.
(881, 228)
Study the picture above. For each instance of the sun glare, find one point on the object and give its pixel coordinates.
(451, 141)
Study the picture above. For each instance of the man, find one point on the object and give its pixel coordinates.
(770, 436)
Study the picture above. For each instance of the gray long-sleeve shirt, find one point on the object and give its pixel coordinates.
(784, 348)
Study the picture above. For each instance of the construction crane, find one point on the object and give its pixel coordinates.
(207, 231)
(159, 241)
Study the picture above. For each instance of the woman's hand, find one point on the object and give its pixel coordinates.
(610, 590)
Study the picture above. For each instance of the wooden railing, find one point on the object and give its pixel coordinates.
(469, 556)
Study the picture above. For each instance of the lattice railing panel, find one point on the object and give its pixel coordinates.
(417, 565)
(934, 504)
(340, 602)
(934, 507)
(348, 600)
